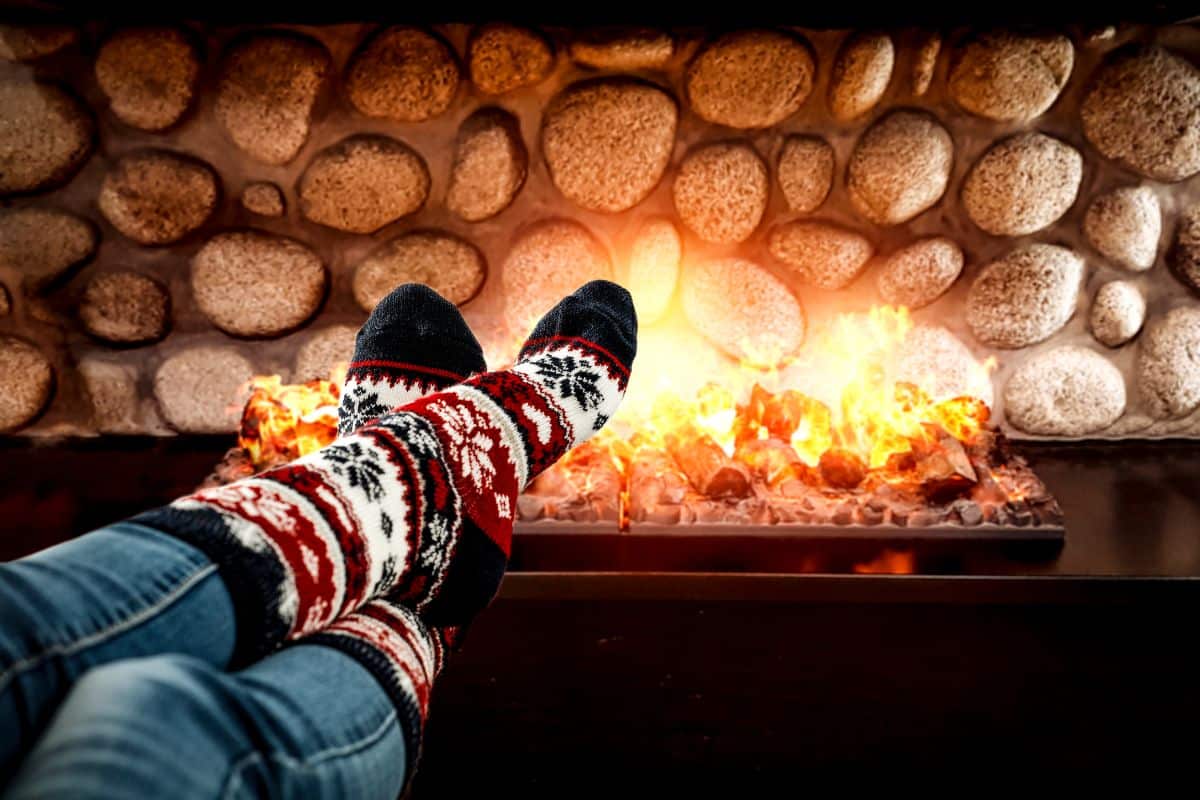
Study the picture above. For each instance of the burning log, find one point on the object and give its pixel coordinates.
(775, 462)
(708, 468)
(657, 487)
(842, 469)
(943, 468)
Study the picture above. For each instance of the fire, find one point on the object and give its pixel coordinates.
(282, 422)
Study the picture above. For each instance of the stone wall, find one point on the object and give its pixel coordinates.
(183, 208)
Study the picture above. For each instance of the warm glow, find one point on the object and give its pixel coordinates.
(282, 422)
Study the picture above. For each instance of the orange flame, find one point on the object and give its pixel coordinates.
(282, 422)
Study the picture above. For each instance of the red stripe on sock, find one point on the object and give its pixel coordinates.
(443, 373)
(580, 341)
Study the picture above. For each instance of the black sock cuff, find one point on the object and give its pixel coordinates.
(416, 328)
(599, 313)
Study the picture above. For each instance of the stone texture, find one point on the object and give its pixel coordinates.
(654, 260)
(721, 191)
(623, 49)
(202, 389)
(750, 79)
(1010, 77)
(1142, 110)
(250, 283)
(805, 172)
(125, 308)
(1168, 366)
(766, 324)
(45, 136)
(1185, 254)
(594, 159)
(1066, 391)
(149, 75)
(503, 57)
(921, 272)
(1025, 296)
(263, 198)
(26, 383)
(403, 73)
(362, 183)
(452, 267)
(1124, 225)
(899, 167)
(861, 74)
(936, 360)
(1118, 312)
(1022, 184)
(490, 164)
(326, 352)
(549, 260)
(113, 391)
(823, 254)
(157, 197)
(269, 84)
(30, 42)
(925, 63)
(43, 243)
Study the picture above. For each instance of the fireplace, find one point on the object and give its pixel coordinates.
(919, 299)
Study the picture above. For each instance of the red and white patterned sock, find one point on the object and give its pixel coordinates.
(417, 505)
(415, 342)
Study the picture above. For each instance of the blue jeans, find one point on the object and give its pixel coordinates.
(113, 683)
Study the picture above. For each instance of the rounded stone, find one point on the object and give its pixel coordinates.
(593, 158)
(157, 197)
(452, 267)
(113, 391)
(45, 136)
(750, 79)
(326, 353)
(1024, 297)
(1142, 110)
(721, 191)
(764, 327)
(1066, 391)
(654, 260)
(149, 76)
(263, 198)
(26, 382)
(623, 49)
(1010, 77)
(362, 183)
(1124, 226)
(1185, 254)
(202, 389)
(1168, 366)
(125, 308)
(925, 62)
(490, 165)
(823, 254)
(937, 361)
(265, 97)
(403, 73)
(503, 57)
(899, 167)
(5, 301)
(919, 273)
(250, 283)
(42, 243)
(1118, 312)
(30, 42)
(805, 172)
(1022, 184)
(861, 74)
(549, 260)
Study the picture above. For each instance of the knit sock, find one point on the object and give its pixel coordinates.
(417, 505)
(415, 342)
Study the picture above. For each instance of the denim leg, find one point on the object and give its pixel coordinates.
(308, 721)
(118, 592)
